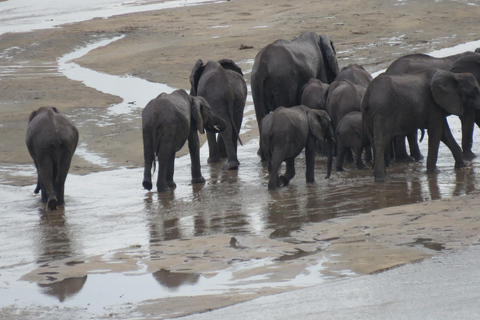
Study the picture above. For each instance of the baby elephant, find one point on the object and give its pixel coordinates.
(167, 122)
(285, 132)
(51, 141)
(350, 135)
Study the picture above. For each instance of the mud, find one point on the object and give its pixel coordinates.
(116, 250)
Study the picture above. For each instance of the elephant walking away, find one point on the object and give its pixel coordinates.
(400, 104)
(51, 141)
(413, 63)
(168, 121)
(286, 132)
(282, 68)
(223, 87)
(350, 135)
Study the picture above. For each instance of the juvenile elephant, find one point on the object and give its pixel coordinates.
(412, 63)
(285, 133)
(282, 68)
(350, 135)
(222, 85)
(51, 141)
(400, 104)
(167, 122)
(356, 74)
(314, 94)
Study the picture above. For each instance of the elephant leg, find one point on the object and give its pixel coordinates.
(358, 157)
(170, 170)
(229, 138)
(46, 178)
(213, 151)
(149, 157)
(381, 150)
(401, 154)
(273, 167)
(289, 172)
(310, 160)
(194, 147)
(163, 159)
(414, 149)
(467, 133)
(451, 143)
(340, 156)
(221, 147)
(63, 169)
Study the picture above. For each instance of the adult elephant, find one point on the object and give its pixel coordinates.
(400, 104)
(51, 141)
(222, 85)
(285, 133)
(167, 122)
(470, 64)
(282, 68)
(412, 63)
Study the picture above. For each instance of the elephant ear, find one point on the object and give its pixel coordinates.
(314, 123)
(230, 65)
(330, 58)
(444, 88)
(32, 115)
(197, 113)
(195, 76)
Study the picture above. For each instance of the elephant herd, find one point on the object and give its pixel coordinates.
(302, 101)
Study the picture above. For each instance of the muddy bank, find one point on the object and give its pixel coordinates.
(162, 47)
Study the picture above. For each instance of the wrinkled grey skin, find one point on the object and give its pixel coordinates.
(400, 104)
(356, 74)
(285, 133)
(223, 86)
(282, 68)
(412, 63)
(350, 135)
(167, 122)
(51, 141)
(314, 94)
(470, 64)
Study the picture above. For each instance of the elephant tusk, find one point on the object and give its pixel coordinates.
(216, 128)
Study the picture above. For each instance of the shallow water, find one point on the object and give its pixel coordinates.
(109, 210)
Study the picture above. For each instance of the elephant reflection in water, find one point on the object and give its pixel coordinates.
(65, 288)
(174, 280)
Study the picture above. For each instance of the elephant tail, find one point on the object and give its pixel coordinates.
(234, 127)
(423, 135)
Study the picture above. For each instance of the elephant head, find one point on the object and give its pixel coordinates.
(204, 118)
(455, 91)
(40, 110)
(199, 68)
(329, 57)
(320, 126)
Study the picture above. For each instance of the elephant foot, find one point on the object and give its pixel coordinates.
(418, 158)
(433, 170)
(213, 159)
(380, 178)
(460, 164)
(339, 169)
(172, 185)
(37, 189)
(198, 180)
(469, 155)
(147, 185)
(284, 181)
(52, 203)
(232, 165)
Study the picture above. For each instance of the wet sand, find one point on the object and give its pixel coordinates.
(162, 47)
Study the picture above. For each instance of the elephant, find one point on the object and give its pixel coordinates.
(350, 135)
(51, 141)
(168, 121)
(286, 132)
(412, 63)
(470, 64)
(282, 68)
(356, 74)
(223, 87)
(400, 104)
(314, 94)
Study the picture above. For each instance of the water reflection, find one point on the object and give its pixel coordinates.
(174, 280)
(65, 288)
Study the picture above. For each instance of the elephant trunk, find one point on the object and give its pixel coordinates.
(330, 142)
